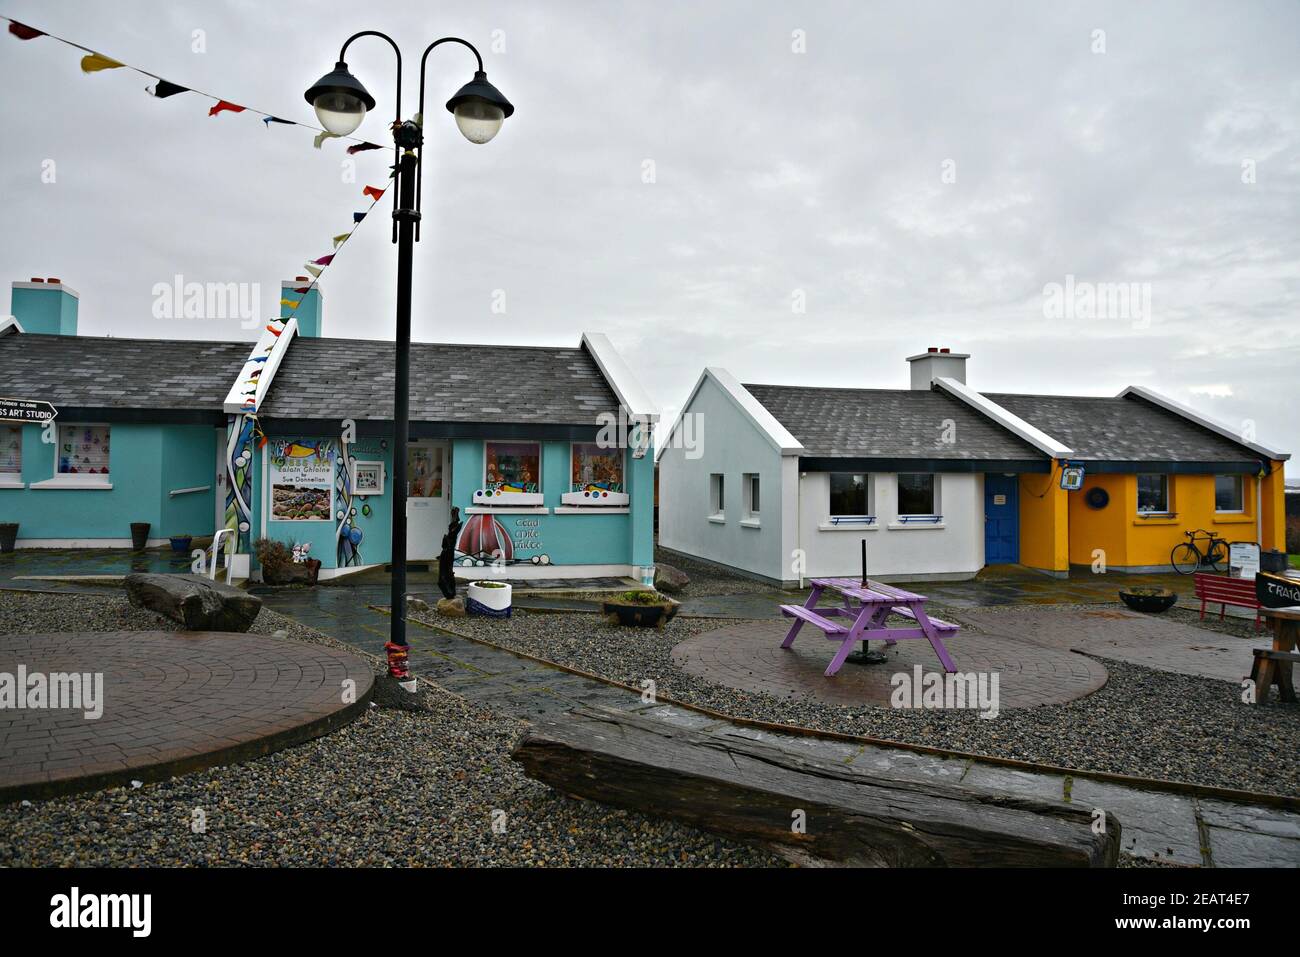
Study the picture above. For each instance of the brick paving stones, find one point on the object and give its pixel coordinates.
(172, 702)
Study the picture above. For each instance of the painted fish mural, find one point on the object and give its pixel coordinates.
(484, 538)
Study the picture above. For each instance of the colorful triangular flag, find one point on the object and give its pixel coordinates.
(314, 270)
(94, 62)
(23, 32)
(340, 239)
(374, 191)
(324, 260)
(225, 105)
(290, 303)
(268, 120)
(362, 147)
(357, 217)
(163, 89)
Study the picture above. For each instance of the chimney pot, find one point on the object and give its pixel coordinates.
(945, 350)
(37, 279)
(57, 282)
(931, 349)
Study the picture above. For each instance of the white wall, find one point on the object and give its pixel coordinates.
(916, 552)
(728, 443)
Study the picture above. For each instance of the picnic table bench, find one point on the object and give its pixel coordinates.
(1273, 665)
(862, 618)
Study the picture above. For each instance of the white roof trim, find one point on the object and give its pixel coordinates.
(631, 394)
(9, 325)
(274, 348)
(766, 423)
(1213, 425)
(1013, 423)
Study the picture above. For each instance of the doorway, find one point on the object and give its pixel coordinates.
(1001, 519)
(428, 491)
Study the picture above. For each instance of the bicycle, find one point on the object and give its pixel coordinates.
(1187, 557)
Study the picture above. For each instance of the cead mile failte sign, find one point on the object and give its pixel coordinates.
(26, 412)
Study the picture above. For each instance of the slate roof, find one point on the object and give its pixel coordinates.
(97, 372)
(450, 382)
(1100, 428)
(887, 423)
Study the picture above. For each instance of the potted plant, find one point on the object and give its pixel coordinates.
(181, 543)
(488, 599)
(1150, 600)
(278, 566)
(8, 536)
(139, 535)
(639, 609)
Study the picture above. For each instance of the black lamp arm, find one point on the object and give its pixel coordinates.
(397, 113)
(419, 173)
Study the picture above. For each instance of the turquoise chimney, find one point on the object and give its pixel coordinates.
(310, 306)
(45, 306)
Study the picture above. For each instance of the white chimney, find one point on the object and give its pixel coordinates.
(936, 363)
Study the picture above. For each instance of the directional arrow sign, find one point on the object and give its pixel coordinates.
(26, 412)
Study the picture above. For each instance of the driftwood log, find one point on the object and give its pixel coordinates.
(197, 603)
(754, 791)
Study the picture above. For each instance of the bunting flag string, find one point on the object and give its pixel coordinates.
(95, 62)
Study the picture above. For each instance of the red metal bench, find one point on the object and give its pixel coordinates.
(1223, 591)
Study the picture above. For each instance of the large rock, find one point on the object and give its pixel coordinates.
(197, 603)
(452, 607)
(670, 580)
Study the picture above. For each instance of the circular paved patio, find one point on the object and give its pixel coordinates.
(172, 702)
(749, 657)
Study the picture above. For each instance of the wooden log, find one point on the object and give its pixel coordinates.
(196, 603)
(754, 791)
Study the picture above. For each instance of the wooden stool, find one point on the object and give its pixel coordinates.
(1275, 668)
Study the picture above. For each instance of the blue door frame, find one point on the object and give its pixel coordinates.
(1001, 519)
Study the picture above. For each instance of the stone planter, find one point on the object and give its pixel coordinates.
(1150, 600)
(633, 614)
(292, 573)
(8, 535)
(488, 599)
(139, 535)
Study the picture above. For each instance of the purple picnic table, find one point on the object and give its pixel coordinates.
(867, 605)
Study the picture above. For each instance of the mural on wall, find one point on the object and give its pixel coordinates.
(353, 507)
(302, 480)
(485, 540)
(239, 477)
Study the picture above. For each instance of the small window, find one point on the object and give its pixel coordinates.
(83, 450)
(513, 467)
(717, 495)
(752, 500)
(1228, 493)
(916, 493)
(848, 494)
(596, 468)
(1153, 494)
(11, 450)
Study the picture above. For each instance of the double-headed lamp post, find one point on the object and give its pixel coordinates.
(341, 103)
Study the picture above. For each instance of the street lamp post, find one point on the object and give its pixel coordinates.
(341, 103)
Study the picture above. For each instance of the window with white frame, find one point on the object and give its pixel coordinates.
(717, 495)
(916, 494)
(750, 485)
(596, 469)
(1229, 493)
(83, 451)
(513, 466)
(11, 452)
(848, 495)
(1153, 494)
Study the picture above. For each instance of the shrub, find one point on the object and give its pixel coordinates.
(272, 554)
(639, 598)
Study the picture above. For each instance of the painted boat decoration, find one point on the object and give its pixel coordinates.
(596, 493)
(485, 539)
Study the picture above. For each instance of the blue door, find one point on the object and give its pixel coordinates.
(1001, 519)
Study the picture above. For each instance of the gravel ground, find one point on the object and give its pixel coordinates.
(1142, 722)
(393, 788)
(706, 580)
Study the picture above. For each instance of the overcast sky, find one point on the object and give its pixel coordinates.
(909, 174)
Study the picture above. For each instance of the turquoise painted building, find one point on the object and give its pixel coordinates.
(544, 451)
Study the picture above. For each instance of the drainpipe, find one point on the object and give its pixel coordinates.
(1259, 510)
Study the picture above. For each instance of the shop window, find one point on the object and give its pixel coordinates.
(1229, 493)
(83, 450)
(11, 451)
(514, 467)
(916, 494)
(596, 469)
(749, 482)
(848, 496)
(1153, 494)
(717, 495)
